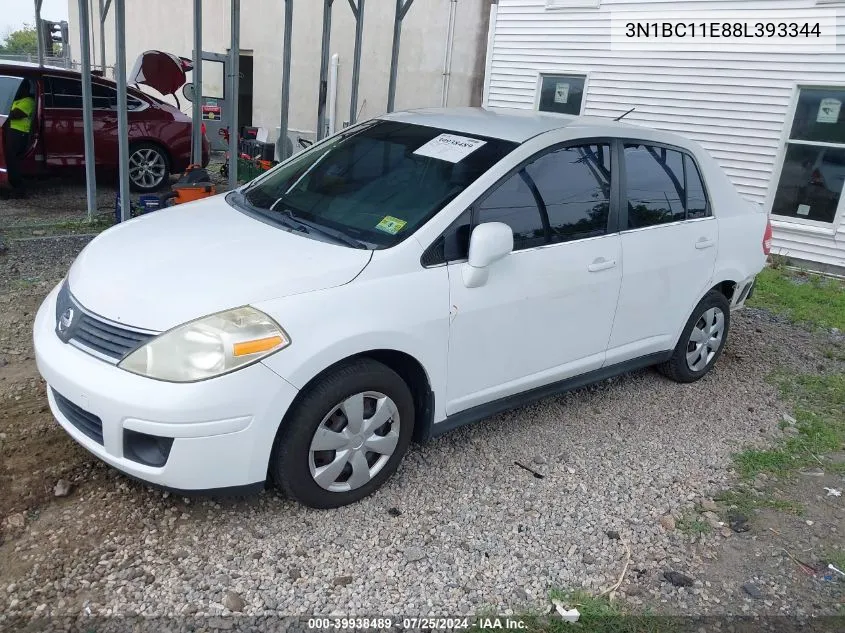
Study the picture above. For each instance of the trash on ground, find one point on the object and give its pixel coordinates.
(738, 522)
(530, 470)
(833, 492)
(677, 578)
(568, 615)
(836, 569)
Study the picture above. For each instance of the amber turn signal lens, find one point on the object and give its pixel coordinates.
(258, 345)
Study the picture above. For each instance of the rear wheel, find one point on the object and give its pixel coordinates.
(345, 437)
(149, 167)
(702, 340)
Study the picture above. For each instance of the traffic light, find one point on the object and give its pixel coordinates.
(53, 33)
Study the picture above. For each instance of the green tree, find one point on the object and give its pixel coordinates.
(21, 42)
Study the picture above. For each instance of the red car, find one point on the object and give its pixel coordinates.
(159, 134)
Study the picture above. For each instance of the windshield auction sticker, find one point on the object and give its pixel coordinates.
(808, 30)
(450, 147)
(391, 225)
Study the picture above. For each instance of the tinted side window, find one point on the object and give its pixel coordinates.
(654, 178)
(63, 92)
(104, 98)
(696, 197)
(514, 203)
(574, 184)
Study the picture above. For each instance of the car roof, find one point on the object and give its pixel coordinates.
(8, 64)
(517, 125)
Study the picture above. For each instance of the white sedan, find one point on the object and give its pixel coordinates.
(411, 274)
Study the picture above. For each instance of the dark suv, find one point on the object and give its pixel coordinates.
(159, 134)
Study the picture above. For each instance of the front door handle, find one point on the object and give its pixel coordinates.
(601, 264)
(703, 243)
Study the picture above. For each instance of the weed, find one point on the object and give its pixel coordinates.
(691, 523)
(802, 297)
(819, 402)
(597, 615)
(746, 501)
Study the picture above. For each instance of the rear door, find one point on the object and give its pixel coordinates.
(669, 245)
(63, 124)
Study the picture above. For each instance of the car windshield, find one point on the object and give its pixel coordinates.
(374, 185)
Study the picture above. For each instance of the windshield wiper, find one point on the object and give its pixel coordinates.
(340, 236)
(305, 225)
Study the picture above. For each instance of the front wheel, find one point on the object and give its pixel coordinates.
(149, 167)
(702, 340)
(345, 437)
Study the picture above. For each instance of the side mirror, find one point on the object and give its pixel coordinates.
(188, 91)
(489, 243)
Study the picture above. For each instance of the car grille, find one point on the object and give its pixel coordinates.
(92, 333)
(86, 422)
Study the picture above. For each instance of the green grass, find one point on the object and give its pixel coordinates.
(598, 615)
(802, 297)
(63, 227)
(691, 523)
(819, 402)
(745, 502)
(835, 556)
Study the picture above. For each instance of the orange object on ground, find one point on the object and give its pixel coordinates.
(194, 184)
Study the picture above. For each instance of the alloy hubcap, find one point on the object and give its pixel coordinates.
(354, 441)
(705, 339)
(146, 168)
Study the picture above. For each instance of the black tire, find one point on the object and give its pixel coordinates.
(162, 159)
(677, 367)
(289, 463)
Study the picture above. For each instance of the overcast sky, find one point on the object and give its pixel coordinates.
(16, 13)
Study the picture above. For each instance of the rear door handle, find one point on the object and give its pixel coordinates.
(601, 264)
(703, 243)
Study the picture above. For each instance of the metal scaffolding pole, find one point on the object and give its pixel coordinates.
(358, 12)
(196, 131)
(104, 13)
(87, 108)
(235, 56)
(324, 68)
(122, 101)
(402, 7)
(283, 126)
(39, 35)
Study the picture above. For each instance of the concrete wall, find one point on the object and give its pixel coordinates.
(167, 25)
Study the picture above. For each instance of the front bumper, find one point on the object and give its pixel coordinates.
(223, 428)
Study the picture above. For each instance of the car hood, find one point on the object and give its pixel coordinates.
(177, 264)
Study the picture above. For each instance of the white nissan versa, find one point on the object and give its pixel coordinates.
(403, 277)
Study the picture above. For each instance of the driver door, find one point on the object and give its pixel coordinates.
(546, 310)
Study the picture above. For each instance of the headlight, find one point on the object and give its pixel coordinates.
(208, 347)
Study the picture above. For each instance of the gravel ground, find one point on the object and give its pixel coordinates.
(459, 529)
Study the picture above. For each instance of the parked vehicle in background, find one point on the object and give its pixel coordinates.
(159, 134)
(401, 278)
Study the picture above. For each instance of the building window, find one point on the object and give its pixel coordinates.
(809, 186)
(562, 94)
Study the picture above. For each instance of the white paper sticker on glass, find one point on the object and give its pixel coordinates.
(449, 147)
(829, 111)
(803, 209)
(562, 92)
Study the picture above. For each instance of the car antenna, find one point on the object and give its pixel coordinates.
(621, 116)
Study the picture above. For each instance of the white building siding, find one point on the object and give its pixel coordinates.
(734, 105)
